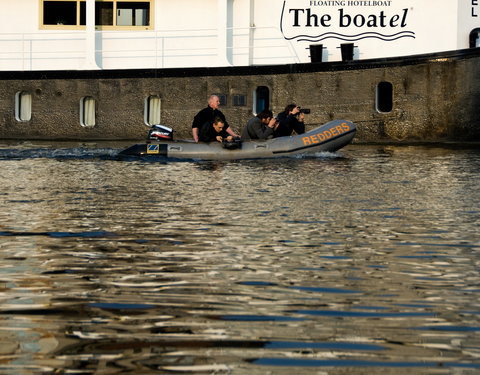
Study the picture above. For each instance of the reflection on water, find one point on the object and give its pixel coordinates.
(364, 261)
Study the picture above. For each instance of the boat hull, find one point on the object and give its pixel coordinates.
(422, 98)
(329, 137)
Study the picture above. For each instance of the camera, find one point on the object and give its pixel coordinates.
(305, 110)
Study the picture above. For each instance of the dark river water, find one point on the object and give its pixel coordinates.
(365, 261)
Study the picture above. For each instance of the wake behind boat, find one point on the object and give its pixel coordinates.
(329, 137)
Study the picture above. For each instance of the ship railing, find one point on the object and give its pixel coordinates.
(23, 51)
(60, 50)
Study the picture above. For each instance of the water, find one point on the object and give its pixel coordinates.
(365, 261)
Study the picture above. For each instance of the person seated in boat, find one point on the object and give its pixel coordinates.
(290, 120)
(214, 131)
(209, 114)
(261, 126)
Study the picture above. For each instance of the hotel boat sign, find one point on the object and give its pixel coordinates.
(346, 20)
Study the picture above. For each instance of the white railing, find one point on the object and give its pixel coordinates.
(24, 51)
(60, 50)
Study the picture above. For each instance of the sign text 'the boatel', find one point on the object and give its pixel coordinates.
(308, 18)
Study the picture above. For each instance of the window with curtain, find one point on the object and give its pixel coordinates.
(87, 111)
(153, 106)
(23, 106)
(122, 13)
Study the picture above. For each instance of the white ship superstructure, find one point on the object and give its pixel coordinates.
(157, 34)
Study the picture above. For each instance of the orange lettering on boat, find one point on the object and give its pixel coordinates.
(326, 134)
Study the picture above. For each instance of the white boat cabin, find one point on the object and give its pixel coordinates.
(144, 34)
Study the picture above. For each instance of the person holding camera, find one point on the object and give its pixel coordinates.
(289, 121)
(214, 131)
(261, 126)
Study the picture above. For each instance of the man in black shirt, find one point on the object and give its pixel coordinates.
(290, 120)
(208, 115)
(211, 132)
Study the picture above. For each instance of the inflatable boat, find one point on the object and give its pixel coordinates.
(329, 137)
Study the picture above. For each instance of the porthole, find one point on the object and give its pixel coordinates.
(153, 105)
(23, 106)
(87, 111)
(384, 97)
(475, 38)
(261, 99)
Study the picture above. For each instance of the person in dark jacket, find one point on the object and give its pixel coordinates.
(214, 132)
(290, 120)
(208, 115)
(260, 127)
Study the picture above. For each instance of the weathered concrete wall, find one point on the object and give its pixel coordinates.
(434, 99)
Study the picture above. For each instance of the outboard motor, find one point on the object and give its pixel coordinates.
(160, 132)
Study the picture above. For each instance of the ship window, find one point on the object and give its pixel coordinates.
(152, 110)
(384, 97)
(222, 98)
(64, 13)
(104, 13)
(123, 13)
(133, 14)
(23, 106)
(109, 14)
(87, 111)
(261, 99)
(475, 38)
(239, 100)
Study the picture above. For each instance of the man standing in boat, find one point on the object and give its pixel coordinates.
(208, 115)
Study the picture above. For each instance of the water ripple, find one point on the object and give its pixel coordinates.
(366, 262)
